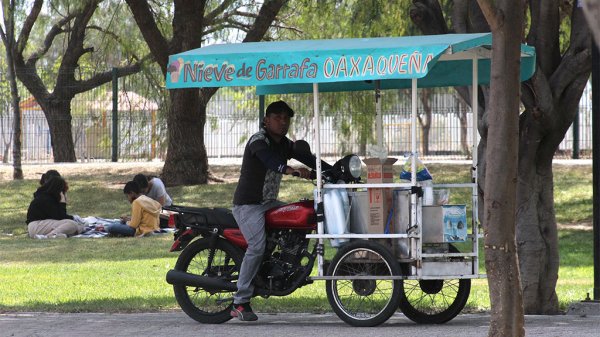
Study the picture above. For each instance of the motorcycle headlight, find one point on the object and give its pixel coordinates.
(354, 166)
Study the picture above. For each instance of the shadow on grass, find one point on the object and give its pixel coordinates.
(79, 250)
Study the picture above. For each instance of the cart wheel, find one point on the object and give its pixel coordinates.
(434, 301)
(364, 302)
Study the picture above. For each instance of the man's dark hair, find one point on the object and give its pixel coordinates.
(53, 186)
(279, 107)
(49, 174)
(132, 186)
(141, 180)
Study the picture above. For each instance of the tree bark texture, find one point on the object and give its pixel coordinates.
(501, 262)
(550, 99)
(187, 116)
(186, 162)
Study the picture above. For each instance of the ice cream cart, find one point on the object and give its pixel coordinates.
(417, 266)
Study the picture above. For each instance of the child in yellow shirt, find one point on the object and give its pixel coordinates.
(144, 214)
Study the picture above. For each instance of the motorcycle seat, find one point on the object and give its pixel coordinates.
(204, 216)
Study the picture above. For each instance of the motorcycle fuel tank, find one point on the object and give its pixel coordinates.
(297, 215)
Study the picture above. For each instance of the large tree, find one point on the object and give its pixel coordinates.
(506, 22)
(550, 99)
(72, 25)
(193, 22)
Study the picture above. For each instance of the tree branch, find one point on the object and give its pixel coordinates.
(493, 15)
(3, 37)
(244, 14)
(577, 59)
(569, 69)
(75, 49)
(105, 77)
(266, 15)
(157, 43)
(460, 16)
(54, 31)
(234, 25)
(211, 17)
(468, 18)
(28, 25)
(544, 34)
(427, 16)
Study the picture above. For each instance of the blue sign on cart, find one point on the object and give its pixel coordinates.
(455, 223)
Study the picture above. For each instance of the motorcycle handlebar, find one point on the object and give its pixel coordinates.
(313, 174)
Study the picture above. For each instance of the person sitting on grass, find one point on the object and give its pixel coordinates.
(144, 214)
(153, 188)
(47, 213)
(49, 174)
(54, 173)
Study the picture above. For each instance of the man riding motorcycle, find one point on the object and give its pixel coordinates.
(264, 163)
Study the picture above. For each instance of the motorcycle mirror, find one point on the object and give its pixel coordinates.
(301, 146)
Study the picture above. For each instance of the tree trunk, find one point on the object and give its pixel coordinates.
(59, 118)
(537, 238)
(8, 39)
(186, 162)
(14, 93)
(551, 99)
(501, 261)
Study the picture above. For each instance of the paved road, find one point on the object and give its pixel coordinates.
(280, 325)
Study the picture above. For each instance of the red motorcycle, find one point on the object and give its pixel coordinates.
(205, 275)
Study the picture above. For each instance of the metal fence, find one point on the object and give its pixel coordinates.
(347, 123)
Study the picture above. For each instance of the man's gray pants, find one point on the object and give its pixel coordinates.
(251, 220)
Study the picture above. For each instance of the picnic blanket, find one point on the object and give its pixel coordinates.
(95, 227)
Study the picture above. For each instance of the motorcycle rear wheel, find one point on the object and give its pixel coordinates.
(364, 302)
(208, 306)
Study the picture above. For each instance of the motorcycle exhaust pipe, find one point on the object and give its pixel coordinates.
(176, 277)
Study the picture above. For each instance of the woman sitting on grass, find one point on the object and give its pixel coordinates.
(49, 174)
(47, 213)
(144, 214)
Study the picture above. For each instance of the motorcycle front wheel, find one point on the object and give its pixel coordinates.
(434, 301)
(367, 301)
(208, 306)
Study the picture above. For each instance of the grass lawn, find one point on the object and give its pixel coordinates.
(127, 274)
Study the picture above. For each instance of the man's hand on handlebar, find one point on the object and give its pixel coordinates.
(301, 172)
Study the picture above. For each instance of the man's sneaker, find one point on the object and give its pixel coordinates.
(243, 312)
